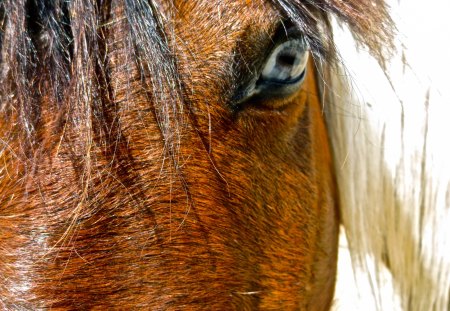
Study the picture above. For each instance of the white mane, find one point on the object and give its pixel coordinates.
(391, 142)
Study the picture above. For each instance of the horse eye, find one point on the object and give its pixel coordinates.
(285, 66)
(280, 75)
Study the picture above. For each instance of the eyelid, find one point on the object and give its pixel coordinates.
(285, 31)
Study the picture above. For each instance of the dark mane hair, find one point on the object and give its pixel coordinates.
(56, 50)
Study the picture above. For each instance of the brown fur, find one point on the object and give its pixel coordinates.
(128, 182)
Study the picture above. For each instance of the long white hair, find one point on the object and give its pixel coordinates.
(390, 132)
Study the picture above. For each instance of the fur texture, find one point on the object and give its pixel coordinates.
(129, 180)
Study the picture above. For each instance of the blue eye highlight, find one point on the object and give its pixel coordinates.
(286, 64)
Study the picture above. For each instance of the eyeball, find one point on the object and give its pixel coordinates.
(280, 74)
(286, 64)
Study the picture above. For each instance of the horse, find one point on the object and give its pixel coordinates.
(169, 155)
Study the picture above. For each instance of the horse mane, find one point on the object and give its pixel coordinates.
(385, 122)
(56, 52)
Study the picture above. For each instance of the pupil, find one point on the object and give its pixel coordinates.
(286, 60)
